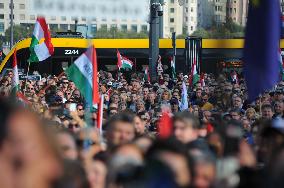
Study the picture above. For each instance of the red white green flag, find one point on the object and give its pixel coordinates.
(123, 62)
(40, 50)
(15, 83)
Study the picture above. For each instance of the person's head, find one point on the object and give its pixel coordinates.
(251, 113)
(266, 111)
(205, 98)
(152, 97)
(174, 105)
(278, 107)
(122, 106)
(185, 127)
(176, 95)
(113, 111)
(237, 102)
(278, 95)
(120, 129)
(67, 145)
(235, 114)
(139, 124)
(97, 170)
(80, 110)
(166, 95)
(173, 154)
(140, 106)
(114, 98)
(145, 92)
(198, 93)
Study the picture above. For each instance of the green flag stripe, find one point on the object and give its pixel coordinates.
(74, 74)
(33, 56)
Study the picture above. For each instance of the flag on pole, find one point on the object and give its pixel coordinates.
(15, 83)
(146, 75)
(194, 78)
(261, 58)
(184, 100)
(173, 67)
(165, 125)
(40, 51)
(123, 62)
(100, 115)
(83, 72)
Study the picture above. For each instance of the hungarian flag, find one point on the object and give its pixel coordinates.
(173, 67)
(123, 62)
(194, 78)
(146, 75)
(15, 83)
(100, 115)
(84, 73)
(40, 50)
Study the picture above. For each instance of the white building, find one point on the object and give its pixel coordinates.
(22, 16)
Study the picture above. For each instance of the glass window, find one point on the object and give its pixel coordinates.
(172, 29)
(63, 18)
(1, 16)
(134, 28)
(63, 27)
(172, 1)
(1, 5)
(22, 6)
(104, 26)
(144, 28)
(2, 29)
(84, 19)
(22, 17)
(172, 10)
(172, 20)
(32, 17)
(123, 27)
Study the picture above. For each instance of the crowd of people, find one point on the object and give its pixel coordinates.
(51, 139)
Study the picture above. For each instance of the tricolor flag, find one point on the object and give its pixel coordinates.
(15, 83)
(146, 75)
(43, 50)
(184, 100)
(100, 115)
(202, 79)
(84, 73)
(123, 62)
(173, 67)
(194, 78)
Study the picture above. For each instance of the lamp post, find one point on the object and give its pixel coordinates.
(156, 11)
(11, 24)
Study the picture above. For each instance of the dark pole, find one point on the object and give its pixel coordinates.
(76, 24)
(153, 41)
(161, 25)
(174, 46)
(11, 24)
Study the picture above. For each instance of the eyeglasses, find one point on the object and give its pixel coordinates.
(71, 126)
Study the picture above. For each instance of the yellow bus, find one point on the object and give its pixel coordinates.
(137, 50)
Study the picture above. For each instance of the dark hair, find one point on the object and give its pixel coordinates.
(185, 116)
(266, 106)
(121, 117)
(5, 112)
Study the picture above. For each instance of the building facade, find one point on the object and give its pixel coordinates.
(63, 23)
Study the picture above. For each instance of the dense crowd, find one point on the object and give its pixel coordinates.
(50, 138)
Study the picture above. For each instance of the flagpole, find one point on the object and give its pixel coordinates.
(29, 63)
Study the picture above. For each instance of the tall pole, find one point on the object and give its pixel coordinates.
(153, 41)
(11, 24)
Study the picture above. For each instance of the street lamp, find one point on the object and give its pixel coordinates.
(156, 11)
(11, 24)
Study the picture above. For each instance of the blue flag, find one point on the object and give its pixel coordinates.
(261, 58)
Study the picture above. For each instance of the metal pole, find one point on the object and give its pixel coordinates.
(174, 46)
(11, 24)
(153, 41)
(161, 25)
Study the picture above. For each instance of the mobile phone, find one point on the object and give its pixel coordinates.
(72, 107)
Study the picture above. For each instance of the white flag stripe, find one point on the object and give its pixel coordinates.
(41, 51)
(85, 66)
(38, 31)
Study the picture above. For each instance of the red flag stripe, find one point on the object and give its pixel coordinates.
(47, 36)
